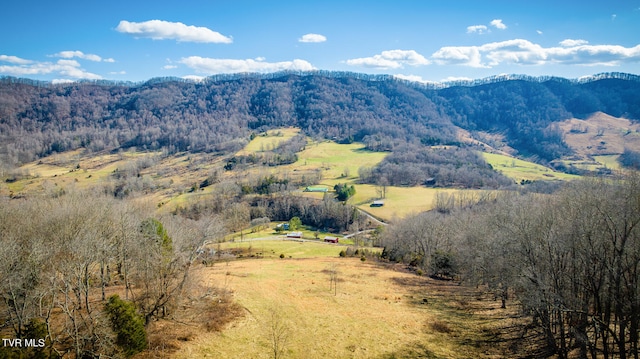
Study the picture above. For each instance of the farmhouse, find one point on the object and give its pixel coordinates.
(294, 235)
(377, 204)
(331, 239)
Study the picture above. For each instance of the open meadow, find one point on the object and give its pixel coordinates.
(330, 307)
(519, 170)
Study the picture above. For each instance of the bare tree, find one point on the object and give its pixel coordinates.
(278, 331)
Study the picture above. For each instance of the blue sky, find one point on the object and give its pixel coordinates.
(420, 40)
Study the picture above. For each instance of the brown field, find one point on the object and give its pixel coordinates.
(601, 134)
(377, 311)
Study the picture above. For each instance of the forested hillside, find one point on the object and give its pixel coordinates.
(219, 113)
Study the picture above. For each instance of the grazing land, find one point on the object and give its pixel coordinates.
(416, 316)
(519, 170)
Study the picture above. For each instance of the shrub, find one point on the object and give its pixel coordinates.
(443, 265)
(281, 255)
(127, 324)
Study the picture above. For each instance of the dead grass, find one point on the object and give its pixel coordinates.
(377, 311)
(600, 134)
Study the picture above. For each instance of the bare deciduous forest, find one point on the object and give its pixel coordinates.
(570, 260)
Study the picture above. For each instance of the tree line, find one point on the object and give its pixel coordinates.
(61, 268)
(570, 260)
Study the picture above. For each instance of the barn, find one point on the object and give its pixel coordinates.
(331, 239)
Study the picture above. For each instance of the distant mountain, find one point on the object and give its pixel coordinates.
(219, 113)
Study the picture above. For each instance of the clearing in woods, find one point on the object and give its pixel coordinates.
(376, 310)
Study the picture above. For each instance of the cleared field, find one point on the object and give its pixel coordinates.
(269, 232)
(399, 201)
(338, 162)
(376, 312)
(610, 161)
(269, 140)
(518, 169)
(278, 245)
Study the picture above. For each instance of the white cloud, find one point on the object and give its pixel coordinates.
(164, 30)
(498, 24)
(117, 73)
(81, 55)
(524, 52)
(312, 38)
(413, 78)
(479, 29)
(207, 65)
(572, 43)
(64, 67)
(391, 59)
(459, 55)
(170, 67)
(14, 60)
(539, 32)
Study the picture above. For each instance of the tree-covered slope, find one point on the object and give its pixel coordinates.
(218, 114)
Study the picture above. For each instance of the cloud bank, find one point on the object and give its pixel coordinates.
(524, 52)
(165, 30)
(81, 55)
(391, 59)
(63, 67)
(212, 66)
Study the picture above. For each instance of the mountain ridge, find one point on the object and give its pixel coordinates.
(385, 113)
(336, 74)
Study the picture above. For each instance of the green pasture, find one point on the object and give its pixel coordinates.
(518, 169)
(403, 201)
(339, 162)
(272, 248)
(610, 161)
(269, 140)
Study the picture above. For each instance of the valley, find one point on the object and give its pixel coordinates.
(467, 218)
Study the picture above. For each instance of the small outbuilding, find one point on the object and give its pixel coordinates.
(331, 239)
(377, 203)
(294, 235)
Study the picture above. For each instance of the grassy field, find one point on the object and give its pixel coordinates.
(290, 248)
(375, 311)
(399, 201)
(269, 140)
(269, 232)
(610, 161)
(339, 162)
(518, 169)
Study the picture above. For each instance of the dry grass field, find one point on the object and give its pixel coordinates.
(376, 311)
(601, 134)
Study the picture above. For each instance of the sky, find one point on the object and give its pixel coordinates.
(421, 40)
